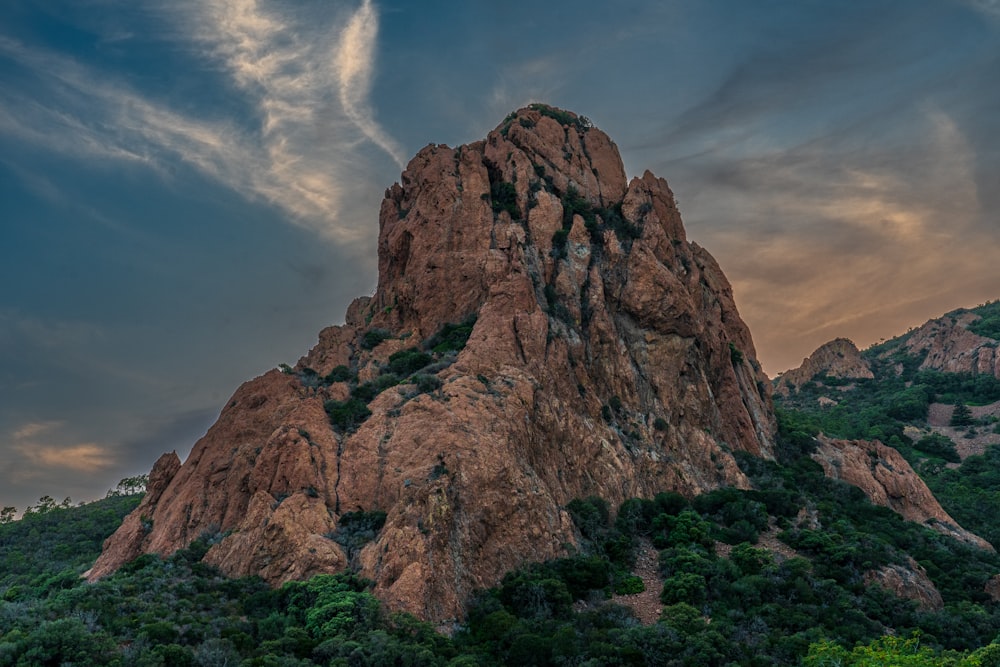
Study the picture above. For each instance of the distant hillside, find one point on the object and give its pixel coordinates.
(933, 395)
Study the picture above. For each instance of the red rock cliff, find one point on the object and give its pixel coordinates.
(607, 357)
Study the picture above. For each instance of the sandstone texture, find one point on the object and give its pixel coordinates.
(888, 480)
(839, 358)
(908, 581)
(947, 345)
(606, 357)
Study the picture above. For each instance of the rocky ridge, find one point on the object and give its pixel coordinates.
(946, 344)
(542, 330)
(888, 480)
(839, 358)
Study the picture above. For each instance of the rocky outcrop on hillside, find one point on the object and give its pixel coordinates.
(908, 581)
(542, 330)
(888, 480)
(947, 345)
(839, 358)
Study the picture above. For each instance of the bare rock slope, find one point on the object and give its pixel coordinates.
(542, 330)
(839, 358)
(888, 480)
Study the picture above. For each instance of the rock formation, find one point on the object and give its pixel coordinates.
(888, 480)
(839, 358)
(604, 356)
(947, 345)
(908, 581)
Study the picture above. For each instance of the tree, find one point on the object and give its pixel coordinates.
(962, 415)
(7, 514)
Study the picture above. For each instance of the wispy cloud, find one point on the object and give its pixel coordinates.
(355, 65)
(37, 448)
(85, 457)
(308, 83)
(821, 242)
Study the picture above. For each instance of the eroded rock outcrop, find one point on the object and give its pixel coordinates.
(888, 480)
(908, 581)
(606, 357)
(947, 345)
(839, 358)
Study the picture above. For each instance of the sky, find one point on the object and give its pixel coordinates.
(189, 190)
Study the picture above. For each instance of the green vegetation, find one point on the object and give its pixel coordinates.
(373, 337)
(581, 123)
(748, 608)
(346, 415)
(989, 323)
(503, 197)
(452, 337)
(408, 361)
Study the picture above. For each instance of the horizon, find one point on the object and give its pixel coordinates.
(190, 194)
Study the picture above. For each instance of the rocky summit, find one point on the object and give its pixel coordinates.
(542, 330)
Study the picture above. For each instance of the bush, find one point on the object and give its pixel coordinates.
(346, 415)
(504, 198)
(406, 362)
(939, 446)
(427, 383)
(373, 337)
(629, 585)
(451, 337)
(338, 374)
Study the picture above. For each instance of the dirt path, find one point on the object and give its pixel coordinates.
(646, 604)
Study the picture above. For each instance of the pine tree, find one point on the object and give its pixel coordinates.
(962, 415)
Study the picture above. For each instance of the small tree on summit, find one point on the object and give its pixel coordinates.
(962, 415)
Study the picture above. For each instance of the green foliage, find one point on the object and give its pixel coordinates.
(961, 415)
(408, 361)
(581, 123)
(503, 196)
(339, 374)
(427, 383)
(938, 445)
(356, 529)
(451, 337)
(989, 323)
(735, 356)
(53, 548)
(373, 337)
(346, 415)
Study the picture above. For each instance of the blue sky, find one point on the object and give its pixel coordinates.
(189, 191)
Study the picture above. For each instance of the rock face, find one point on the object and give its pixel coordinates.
(910, 582)
(606, 357)
(947, 345)
(888, 480)
(839, 358)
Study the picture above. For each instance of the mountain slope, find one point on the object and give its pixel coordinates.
(542, 331)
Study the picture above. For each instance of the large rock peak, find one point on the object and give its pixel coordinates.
(542, 330)
(839, 358)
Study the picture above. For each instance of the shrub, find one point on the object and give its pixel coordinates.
(961, 416)
(451, 337)
(373, 337)
(629, 585)
(338, 374)
(504, 198)
(406, 362)
(346, 415)
(356, 529)
(938, 445)
(427, 383)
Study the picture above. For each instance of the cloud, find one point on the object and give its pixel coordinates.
(355, 64)
(307, 84)
(33, 429)
(85, 457)
(826, 239)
